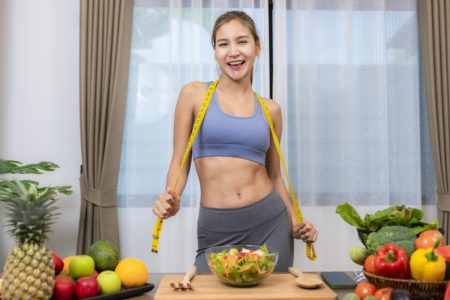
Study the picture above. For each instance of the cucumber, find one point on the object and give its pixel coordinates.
(358, 254)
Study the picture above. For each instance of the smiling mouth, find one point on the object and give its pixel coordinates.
(236, 63)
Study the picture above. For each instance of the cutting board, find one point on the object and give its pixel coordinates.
(209, 287)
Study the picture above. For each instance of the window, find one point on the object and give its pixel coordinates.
(347, 76)
(170, 47)
(354, 107)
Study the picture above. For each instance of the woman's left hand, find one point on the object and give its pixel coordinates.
(305, 231)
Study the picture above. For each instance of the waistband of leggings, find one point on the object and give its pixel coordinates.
(241, 218)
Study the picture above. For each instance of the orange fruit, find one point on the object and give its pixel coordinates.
(133, 272)
(65, 270)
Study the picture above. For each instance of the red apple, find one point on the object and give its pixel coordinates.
(58, 262)
(86, 287)
(63, 289)
(94, 274)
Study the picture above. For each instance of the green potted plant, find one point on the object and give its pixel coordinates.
(30, 211)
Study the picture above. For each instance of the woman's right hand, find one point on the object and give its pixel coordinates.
(167, 204)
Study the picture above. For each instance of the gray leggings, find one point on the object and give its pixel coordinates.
(265, 221)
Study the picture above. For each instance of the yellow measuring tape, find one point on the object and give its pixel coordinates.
(198, 122)
(310, 252)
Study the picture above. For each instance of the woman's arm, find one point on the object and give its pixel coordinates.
(305, 230)
(168, 203)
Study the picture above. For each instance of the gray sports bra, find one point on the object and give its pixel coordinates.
(222, 134)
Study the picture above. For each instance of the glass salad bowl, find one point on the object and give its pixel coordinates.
(241, 265)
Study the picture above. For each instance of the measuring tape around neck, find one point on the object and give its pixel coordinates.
(157, 228)
(310, 251)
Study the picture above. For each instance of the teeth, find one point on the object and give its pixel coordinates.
(234, 63)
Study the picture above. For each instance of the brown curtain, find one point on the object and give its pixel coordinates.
(434, 18)
(105, 36)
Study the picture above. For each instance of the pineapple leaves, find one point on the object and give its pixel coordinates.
(30, 209)
(9, 187)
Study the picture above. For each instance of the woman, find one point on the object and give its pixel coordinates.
(243, 197)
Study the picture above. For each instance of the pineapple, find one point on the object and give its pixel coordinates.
(30, 210)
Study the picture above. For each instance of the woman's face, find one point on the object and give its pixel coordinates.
(235, 50)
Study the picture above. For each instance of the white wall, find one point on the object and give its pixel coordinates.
(39, 114)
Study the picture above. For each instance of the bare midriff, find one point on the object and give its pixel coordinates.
(230, 182)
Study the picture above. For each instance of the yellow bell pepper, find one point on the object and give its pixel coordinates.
(427, 266)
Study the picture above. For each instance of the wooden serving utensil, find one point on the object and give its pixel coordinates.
(305, 281)
(185, 284)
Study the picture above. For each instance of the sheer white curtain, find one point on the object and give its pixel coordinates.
(170, 47)
(347, 75)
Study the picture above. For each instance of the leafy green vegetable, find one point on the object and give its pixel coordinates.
(350, 215)
(264, 249)
(395, 215)
(398, 235)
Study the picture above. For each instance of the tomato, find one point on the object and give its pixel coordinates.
(443, 251)
(384, 293)
(430, 232)
(447, 292)
(369, 264)
(364, 289)
(428, 238)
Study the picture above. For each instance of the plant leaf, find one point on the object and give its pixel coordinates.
(350, 215)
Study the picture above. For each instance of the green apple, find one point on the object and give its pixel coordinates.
(351, 296)
(81, 266)
(109, 282)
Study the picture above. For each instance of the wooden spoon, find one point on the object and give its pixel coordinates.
(305, 281)
(185, 284)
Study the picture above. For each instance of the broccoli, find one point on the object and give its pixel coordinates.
(397, 235)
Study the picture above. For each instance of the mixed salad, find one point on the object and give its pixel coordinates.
(244, 266)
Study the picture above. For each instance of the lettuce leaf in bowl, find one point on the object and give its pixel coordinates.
(400, 215)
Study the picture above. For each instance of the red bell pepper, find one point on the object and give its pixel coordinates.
(392, 261)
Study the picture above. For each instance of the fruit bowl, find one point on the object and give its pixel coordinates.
(241, 265)
(125, 293)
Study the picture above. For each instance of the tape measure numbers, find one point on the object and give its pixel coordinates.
(310, 252)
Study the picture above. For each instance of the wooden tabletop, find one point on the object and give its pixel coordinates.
(155, 278)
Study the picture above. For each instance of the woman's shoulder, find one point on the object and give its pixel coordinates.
(272, 105)
(191, 95)
(194, 88)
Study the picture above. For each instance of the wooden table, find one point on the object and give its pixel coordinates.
(155, 278)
